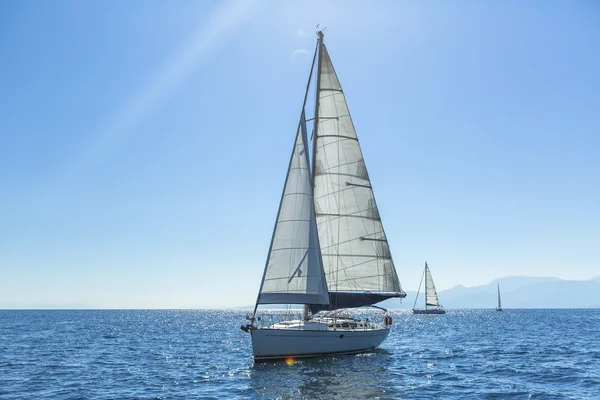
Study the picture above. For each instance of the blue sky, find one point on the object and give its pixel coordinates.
(143, 145)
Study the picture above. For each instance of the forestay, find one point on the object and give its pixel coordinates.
(356, 255)
(294, 270)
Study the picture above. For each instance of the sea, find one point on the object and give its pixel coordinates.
(203, 354)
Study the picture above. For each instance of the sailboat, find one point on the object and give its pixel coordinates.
(499, 308)
(431, 297)
(328, 250)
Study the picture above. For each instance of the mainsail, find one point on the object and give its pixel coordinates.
(356, 256)
(294, 269)
(431, 297)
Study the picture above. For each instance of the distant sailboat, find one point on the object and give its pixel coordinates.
(328, 250)
(499, 308)
(431, 297)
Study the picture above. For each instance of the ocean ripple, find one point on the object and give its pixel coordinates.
(201, 354)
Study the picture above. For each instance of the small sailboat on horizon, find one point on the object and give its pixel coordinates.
(499, 308)
(431, 297)
(328, 251)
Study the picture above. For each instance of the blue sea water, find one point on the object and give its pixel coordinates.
(188, 354)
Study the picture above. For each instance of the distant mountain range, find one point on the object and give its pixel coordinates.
(516, 292)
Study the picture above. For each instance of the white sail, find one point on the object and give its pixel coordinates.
(354, 247)
(499, 302)
(294, 270)
(431, 297)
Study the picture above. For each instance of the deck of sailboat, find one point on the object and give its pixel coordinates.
(326, 324)
(429, 311)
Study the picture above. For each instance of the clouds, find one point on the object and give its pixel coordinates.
(300, 53)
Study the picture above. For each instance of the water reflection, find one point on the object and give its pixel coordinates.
(361, 376)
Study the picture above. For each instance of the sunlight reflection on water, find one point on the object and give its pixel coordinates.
(171, 354)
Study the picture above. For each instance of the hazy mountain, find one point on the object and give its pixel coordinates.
(516, 292)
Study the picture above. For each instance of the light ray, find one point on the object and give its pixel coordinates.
(219, 25)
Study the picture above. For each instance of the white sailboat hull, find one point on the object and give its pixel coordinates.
(270, 343)
(429, 311)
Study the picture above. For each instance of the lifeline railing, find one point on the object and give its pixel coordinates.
(268, 320)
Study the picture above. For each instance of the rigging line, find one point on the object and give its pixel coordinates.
(363, 262)
(370, 257)
(344, 242)
(354, 215)
(299, 291)
(354, 279)
(333, 94)
(350, 279)
(345, 269)
(319, 53)
(337, 266)
(310, 76)
(419, 290)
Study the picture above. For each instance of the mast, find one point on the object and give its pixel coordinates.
(317, 58)
(316, 118)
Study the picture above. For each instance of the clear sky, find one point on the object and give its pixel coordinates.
(144, 144)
